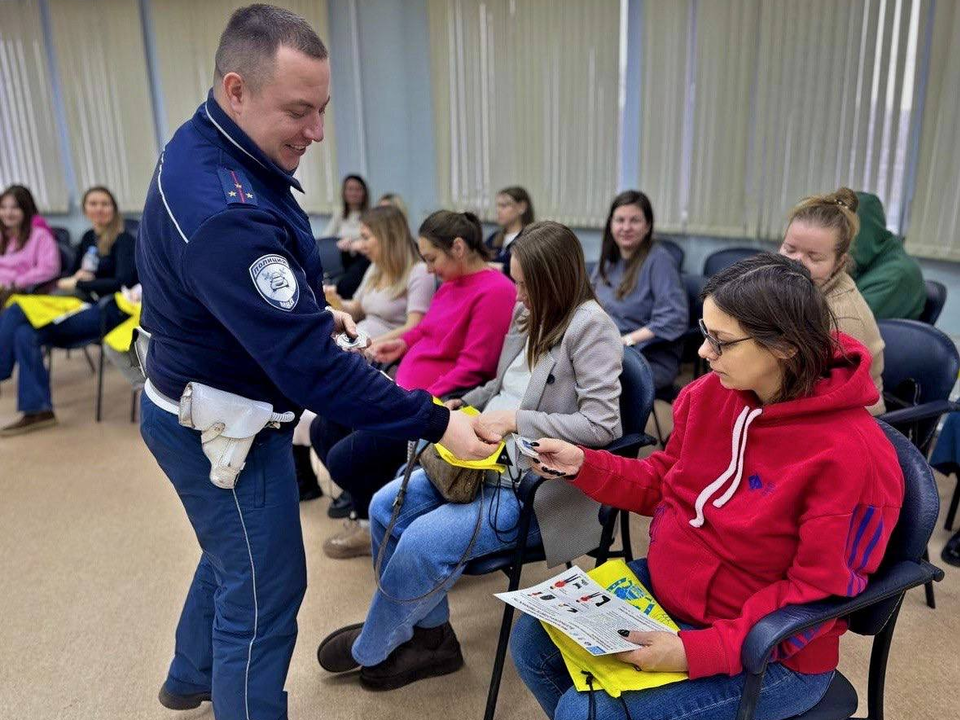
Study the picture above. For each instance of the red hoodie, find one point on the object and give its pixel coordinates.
(759, 507)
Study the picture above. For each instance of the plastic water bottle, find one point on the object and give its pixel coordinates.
(91, 260)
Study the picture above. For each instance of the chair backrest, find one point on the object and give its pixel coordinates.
(918, 360)
(591, 266)
(918, 517)
(675, 250)
(725, 258)
(636, 392)
(330, 256)
(131, 226)
(694, 285)
(68, 253)
(936, 299)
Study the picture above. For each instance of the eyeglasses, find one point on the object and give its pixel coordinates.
(718, 345)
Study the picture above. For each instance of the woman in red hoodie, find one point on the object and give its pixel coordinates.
(776, 488)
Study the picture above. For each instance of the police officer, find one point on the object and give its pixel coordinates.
(232, 289)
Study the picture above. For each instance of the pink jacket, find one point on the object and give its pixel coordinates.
(38, 261)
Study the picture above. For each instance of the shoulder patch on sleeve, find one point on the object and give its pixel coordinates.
(275, 281)
(237, 190)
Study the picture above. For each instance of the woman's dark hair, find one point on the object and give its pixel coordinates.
(777, 304)
(518, 195)
(556, 280)
(24, 200)
(364, 205)
(444, 226)
(610, 253)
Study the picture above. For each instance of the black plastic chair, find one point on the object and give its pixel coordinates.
(872, 612)
(636, 402)
(721, 259)
(330, 258)
(936, 299)
(920, 366)
(692, 338)
(675, 250)
(131, 226)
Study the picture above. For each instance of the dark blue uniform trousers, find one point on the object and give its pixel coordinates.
(239, 622)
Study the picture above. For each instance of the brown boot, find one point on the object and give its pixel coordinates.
(335, 653)
(29, 422)
(429, 653)
(352, 541)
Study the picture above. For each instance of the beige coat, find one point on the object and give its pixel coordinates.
(855, 319)
(574, 395)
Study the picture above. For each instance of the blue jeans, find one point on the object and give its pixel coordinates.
(429, 538)
(239, 622)
(784, 694)
(22, 345)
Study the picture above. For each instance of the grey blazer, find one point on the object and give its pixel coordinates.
(574, 395)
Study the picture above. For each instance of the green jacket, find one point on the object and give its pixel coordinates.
(889, 279)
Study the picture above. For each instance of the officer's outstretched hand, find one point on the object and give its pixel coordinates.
(342, 322)
(466, 439)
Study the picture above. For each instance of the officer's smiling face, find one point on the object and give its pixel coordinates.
(285, 116)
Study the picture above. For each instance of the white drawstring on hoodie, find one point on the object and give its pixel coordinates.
(738, 447)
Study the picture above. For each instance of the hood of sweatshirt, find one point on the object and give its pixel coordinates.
(847, 386)
(873, 240)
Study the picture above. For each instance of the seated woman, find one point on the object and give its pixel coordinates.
(559, 333)
(638, 284)
(820, 234)
(454, 348)
(28, 252)
(890, 281)
(801, 508)
(355, 198)
(105, 263)
(514, 213)
(392, 298)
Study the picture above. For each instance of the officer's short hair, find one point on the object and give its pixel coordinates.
(252, 37)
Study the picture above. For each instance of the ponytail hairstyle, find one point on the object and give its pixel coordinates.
(109, 235)
(610, 252)
(28, 207)
(444, 226)
(778, 305)
(835, 211)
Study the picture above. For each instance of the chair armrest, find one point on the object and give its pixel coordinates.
(529, 484)
(923, 411)
(776, 627)
(630, 444)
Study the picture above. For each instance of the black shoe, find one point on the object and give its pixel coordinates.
(335, 652)
(951, 551)
(341, 507)
(429, 653)
(181, 702)
(306, 478)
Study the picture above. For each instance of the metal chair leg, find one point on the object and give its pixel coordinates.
(952, 512)
(625, 536)
(99, 382)
(133, 405)
(928, 588)
(878, 665)
(86, 354)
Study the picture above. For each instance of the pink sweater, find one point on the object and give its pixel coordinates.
(458, 342)
(38, 261)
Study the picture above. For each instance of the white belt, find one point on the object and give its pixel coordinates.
(161, 400)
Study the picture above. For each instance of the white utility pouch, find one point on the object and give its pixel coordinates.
(228, 423)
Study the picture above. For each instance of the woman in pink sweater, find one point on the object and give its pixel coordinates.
(454, 348)
(28, 251)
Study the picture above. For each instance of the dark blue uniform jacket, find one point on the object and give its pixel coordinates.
(232, 289)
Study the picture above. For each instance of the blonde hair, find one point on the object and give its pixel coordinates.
(398, 253)
(835, 211)
(395, 200)
(108, 237)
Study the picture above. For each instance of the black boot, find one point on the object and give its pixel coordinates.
(429, 653)
(306, 477)
(341, 506)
